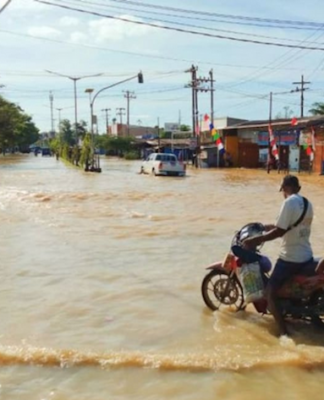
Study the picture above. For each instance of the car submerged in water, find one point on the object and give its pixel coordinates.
(163, 164)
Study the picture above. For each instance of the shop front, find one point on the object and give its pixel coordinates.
(287, 147)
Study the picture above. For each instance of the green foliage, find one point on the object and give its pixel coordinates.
(86, 151)
(101, 141)
(55, 144)
(185, 128)
(165, 135)
(16, 127)
(118, 145)
(81, 129)
(317, 109)
(132, 155)
(66, 132)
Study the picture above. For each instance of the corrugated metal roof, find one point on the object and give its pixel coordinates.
(302, 122)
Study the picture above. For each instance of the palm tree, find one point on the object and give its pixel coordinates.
(318, 109)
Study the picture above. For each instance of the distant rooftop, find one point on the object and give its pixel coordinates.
(301, 123)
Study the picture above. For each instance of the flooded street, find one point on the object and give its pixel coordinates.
(100, 286)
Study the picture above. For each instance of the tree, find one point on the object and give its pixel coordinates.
(317, 109)
(66, 132)
(16, 128)
(81, 129)
(185, 128)
(118, 145)
(27, 132)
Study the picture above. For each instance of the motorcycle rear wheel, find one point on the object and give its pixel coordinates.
(220, 288)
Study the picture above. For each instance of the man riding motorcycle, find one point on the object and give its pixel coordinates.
(296, 255)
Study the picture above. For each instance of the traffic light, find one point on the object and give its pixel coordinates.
(140, 78)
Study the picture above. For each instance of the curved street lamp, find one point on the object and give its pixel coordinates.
(94, 167)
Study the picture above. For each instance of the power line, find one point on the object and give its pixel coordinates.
(145, 55)
(229, 16)
(255, 75)
(107, 6)
(5, 6)
(153, 25)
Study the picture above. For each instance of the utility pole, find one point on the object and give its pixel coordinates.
(212, 90)
(270, 108)
(193, 85)
(120, 112)
(106, 110)
(129, 96)
(159, 138)
(51, 98)
(201, 83)
(301, 90)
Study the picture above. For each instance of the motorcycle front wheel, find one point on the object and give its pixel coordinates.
(221, 288)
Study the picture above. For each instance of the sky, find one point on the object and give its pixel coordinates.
(35, 38)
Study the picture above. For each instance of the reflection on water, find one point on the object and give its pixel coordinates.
(100, 288)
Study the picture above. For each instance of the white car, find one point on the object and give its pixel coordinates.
(163, 164)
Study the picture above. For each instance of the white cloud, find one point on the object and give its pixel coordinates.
(28, 5)
(69, 21)
(78, 37)
(44, 31)
(102, 29)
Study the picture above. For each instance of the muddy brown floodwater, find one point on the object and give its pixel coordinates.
(100, 287)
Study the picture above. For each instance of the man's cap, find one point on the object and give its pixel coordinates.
(290, 181)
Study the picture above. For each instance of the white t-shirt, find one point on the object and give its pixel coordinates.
(295, 243)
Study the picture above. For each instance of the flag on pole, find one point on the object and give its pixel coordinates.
(273, 145)
(205, 123)
(217, 138)
(311, 149)
(197, 129)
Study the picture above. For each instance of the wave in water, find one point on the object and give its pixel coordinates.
(290, 355)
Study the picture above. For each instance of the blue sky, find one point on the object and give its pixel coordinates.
(36, 37)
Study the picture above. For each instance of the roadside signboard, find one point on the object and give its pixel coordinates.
(171, 126)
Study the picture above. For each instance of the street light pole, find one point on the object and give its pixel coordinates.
(75, 108)
(90, 91)
(74, 79)
(51, 98)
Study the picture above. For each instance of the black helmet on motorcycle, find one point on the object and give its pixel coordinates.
(248, 231)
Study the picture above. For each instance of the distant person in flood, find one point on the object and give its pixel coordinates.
(228, 160)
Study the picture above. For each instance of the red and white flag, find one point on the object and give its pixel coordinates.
(313, 146)
(205, 123)
(272, 140)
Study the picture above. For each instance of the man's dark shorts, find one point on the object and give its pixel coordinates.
(285, 270)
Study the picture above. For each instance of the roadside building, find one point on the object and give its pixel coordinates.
(248, 143)
(209, 154)
(122, 130)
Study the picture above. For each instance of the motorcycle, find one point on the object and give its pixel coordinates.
(243, 275)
